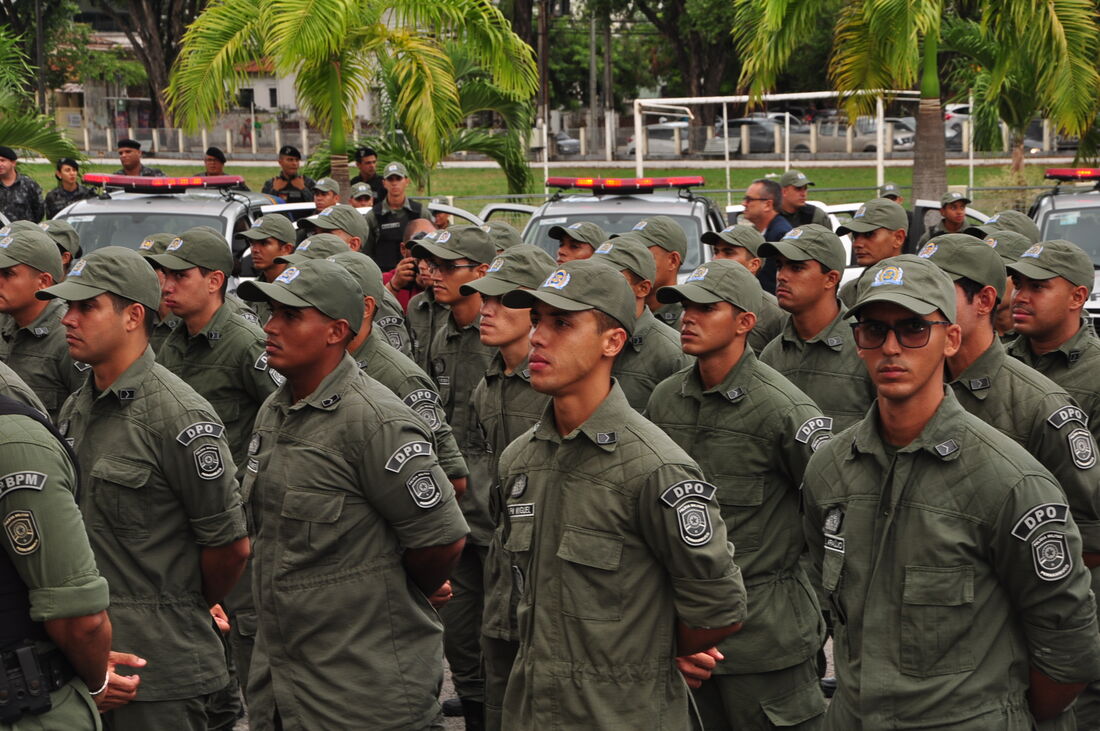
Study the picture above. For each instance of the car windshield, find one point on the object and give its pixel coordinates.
(130, 229)
(1082, 227)
(613, 223)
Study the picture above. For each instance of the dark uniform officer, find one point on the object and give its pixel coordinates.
(69, 189)
(283, 184)
(878, 230)
(20, 196)
(129, 154)
(794, 207)
(669, 245)
(366, 160)
(948, 553)
(391, 214)
(752, 433)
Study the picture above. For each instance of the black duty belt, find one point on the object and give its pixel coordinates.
(28, 678)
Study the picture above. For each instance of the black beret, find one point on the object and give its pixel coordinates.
(290, 151)
(9, 153)
(361, 152)
(127, 142)
(216, 153)
(67, 161)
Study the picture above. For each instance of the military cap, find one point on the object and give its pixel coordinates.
(523, 266)
(328, 185)
(874, 214)
(916, 284)
(115, 269)
(503, 235)
(317, 246)
(63, 234)
(457, 242)
(216, 153)
(127, 143)
(811, 241)
(747, 237)
(630, 253)
(962, 255)
(889, 190)
(797, 178)
(155, 244)
(1056, 258)
(361, 152)
(33, 248)
(1007, 220)
(361, 190)
(289, 151)
(20, 225)
(661, 231)
(583, 284)
(343, 217)
(273, 226)
(720, 280)
(318, 283)
(196, 247)
(952, 196)
(8, 153)
(1009, 244)
(395, 169)
(583, 231)
(365, 271)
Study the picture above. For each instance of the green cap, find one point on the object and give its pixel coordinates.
(317, 246)
(889, 189)
(503, 235)
(720, 280)
(344, 218)
(916, 284)
(874, 214)
(318, 283)
(1007, 220)
(962, 255)
(1056, 258)
(661, 231)
(583, 231)
(196, 247)
(457, 242)
(952, 196)
(629, 252)
(328, 185)
(1008, 244)
(155, 244)
(747, 237)
(272, 226)
(365, 271)
(33, 248)
(361, 190)
(583, 284)
(797, 178)
(395, 168)
(523, 266)
(811, 241)
(114, 269)
(63, 234)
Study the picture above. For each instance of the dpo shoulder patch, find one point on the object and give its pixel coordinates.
(388, 321)
(25, 480)
(1066, 414)
(811, 427)
(407, 451)
(424, 401)
(1037, 516)
(687, 489)
(199, 429)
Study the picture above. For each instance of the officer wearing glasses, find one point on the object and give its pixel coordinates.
(762, 203)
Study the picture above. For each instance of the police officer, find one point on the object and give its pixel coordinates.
(354, 522)
(392, 212)
(505, 406)
(794, 207)
(1007, 220)
(366, 160)
(741, 243)
(166, 321)
(214, 164)
(69, 189)
(271, 236)
(20, 196)
(752, 433)
(289, 184)
(878, 230)
(16, 389)
(577, 240)
(953, 213)
(503, 235)
(815, 350)
(326, 193)
(361, 196)
(652, 353)
(343, 221)
(55, 636)
(158, 495)
(762, 202)
(129, 154)
(32, 340)
(425, 314)
(1009, 245)
(620, 555)
(66, 238)
(668, 244)
(947, 552)
(891, 191)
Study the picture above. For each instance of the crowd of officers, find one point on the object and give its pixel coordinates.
(608, 499)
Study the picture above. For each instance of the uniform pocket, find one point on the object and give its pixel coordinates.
(120, 494)
(740, 498)
(798, 706)
(937, 613)
(590, 583)
(309, 529)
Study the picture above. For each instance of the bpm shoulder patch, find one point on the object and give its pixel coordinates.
(424, 489)
(1050, 552)
(681, 491)
(1082, 446)
(694, 521)
(1066, 414)
(199, 429)
(407, 451)
(811, 427)
(1037, 516)
(25, 480)
(208, 462)
(23, 533)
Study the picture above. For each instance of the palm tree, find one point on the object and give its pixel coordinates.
(895, 45)
(20, 126)
(334, 49)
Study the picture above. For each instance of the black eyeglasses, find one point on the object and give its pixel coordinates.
(914, 333)
(447, 267)
(748, 198)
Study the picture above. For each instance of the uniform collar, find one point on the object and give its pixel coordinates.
(496, 368)
(127, 387)
(732, 388)
(368, 348)
(669, 313)
(642, 327)
(406, 205)
(1072, 350)
(833, 336)
(453, 329)
(41, 326)
(329, 394)
(979, 376)
(601, 428)
(214, 329)
(941, 436)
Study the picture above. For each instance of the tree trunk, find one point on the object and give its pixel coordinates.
(1016, 140)
(522, 20)
(929, 152)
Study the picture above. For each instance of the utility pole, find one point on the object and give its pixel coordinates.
(38, 56)
(544, 61)
(593, 75)
(608, 88)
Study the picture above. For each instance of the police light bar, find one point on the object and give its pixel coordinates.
(138, 184)
(625, 185)
(1067, 174)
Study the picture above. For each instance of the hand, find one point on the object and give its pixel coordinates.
(442, 595)
(279, 183)
(403, 274)
(298, 182)
(220, 618)
(121, 689)
(698, 667)
(459, 484)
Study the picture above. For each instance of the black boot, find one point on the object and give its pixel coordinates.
(474, 712)
(452, 707)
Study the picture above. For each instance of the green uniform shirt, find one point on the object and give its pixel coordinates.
(752, 436)
(847, 292)
(770, 321)
(505, 406)
(157, 488)
(1075, 366)
(338, 485)
(459, 362)
(615, 536)
(226, 364)
(649, 356)
(12, 386)
(390, 319)
(39, 354)
(826, 368)
(670, 314)
(1041, 417)
(394, 370)
(964, 569)
(423, 317)
(162, 330)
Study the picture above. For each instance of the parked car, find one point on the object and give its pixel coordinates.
(567, 145)
(662, 139)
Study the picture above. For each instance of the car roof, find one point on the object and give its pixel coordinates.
(643, 203)
(204, 200)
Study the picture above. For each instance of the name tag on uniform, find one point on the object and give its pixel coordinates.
(521, 510)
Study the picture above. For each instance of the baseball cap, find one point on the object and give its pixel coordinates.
(738, 234)
(961, 255)
(916, 284)
(318, 283)
(1056, 258)
(361, 190)
(874, 214)
(63, 234)
(457, 242)
(503, 235)
(395, 168)
(317, 246)
(328, 185)
(812, 241)
(155, 244)
(126, 142)
(365, 272)
(952, 196)
(522, 266)
(889, 189)
(196, 247)
(114, 269)
(343, 217)
(797, 178)
(629, 252)
(583, 231)
(290, 151)
(273, 226)
(1009, 244)
(1007, 220)
(661, 231)
(584, 284)
(33, 248)
(720, 280)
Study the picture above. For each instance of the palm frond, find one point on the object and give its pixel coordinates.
(36, 134)
(766, 34)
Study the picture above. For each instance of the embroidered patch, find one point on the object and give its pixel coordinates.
(607, 437)
(698, 275)
(860, 212)
(249, 316)
(5, 242)
(1066, 414)
(794, 233)
(834, 519)
(694, 520)
(277, 377)
(304, 246)
(519, 486)
(1083, 448)
(496, 265)
(208, 462)
(945, 448)
(833, 341)
(81, 365)
(1033, 252)
(888, 275)
(389, 321)
(127, 394)
(605, 247)
(834, 543)
(735, 393)
(819, 440)
(25, 480)
(928, 250)
(330, 401)
(991, 241)
(63, 428)
(980, 384)
(253, 464)
(254, 443)
(408, 451)
(1052, 558)
(22, 530)
(681, 491)
(213, 335)
(557, 280)
(261, 362)
(199, 429)
(521, 510)
(424, 489)
(1037, 516)
(423, 401)
(639, 226)
(393, 336)
(811, 427)
(174, 244)
(78, 268)
(289, 275)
